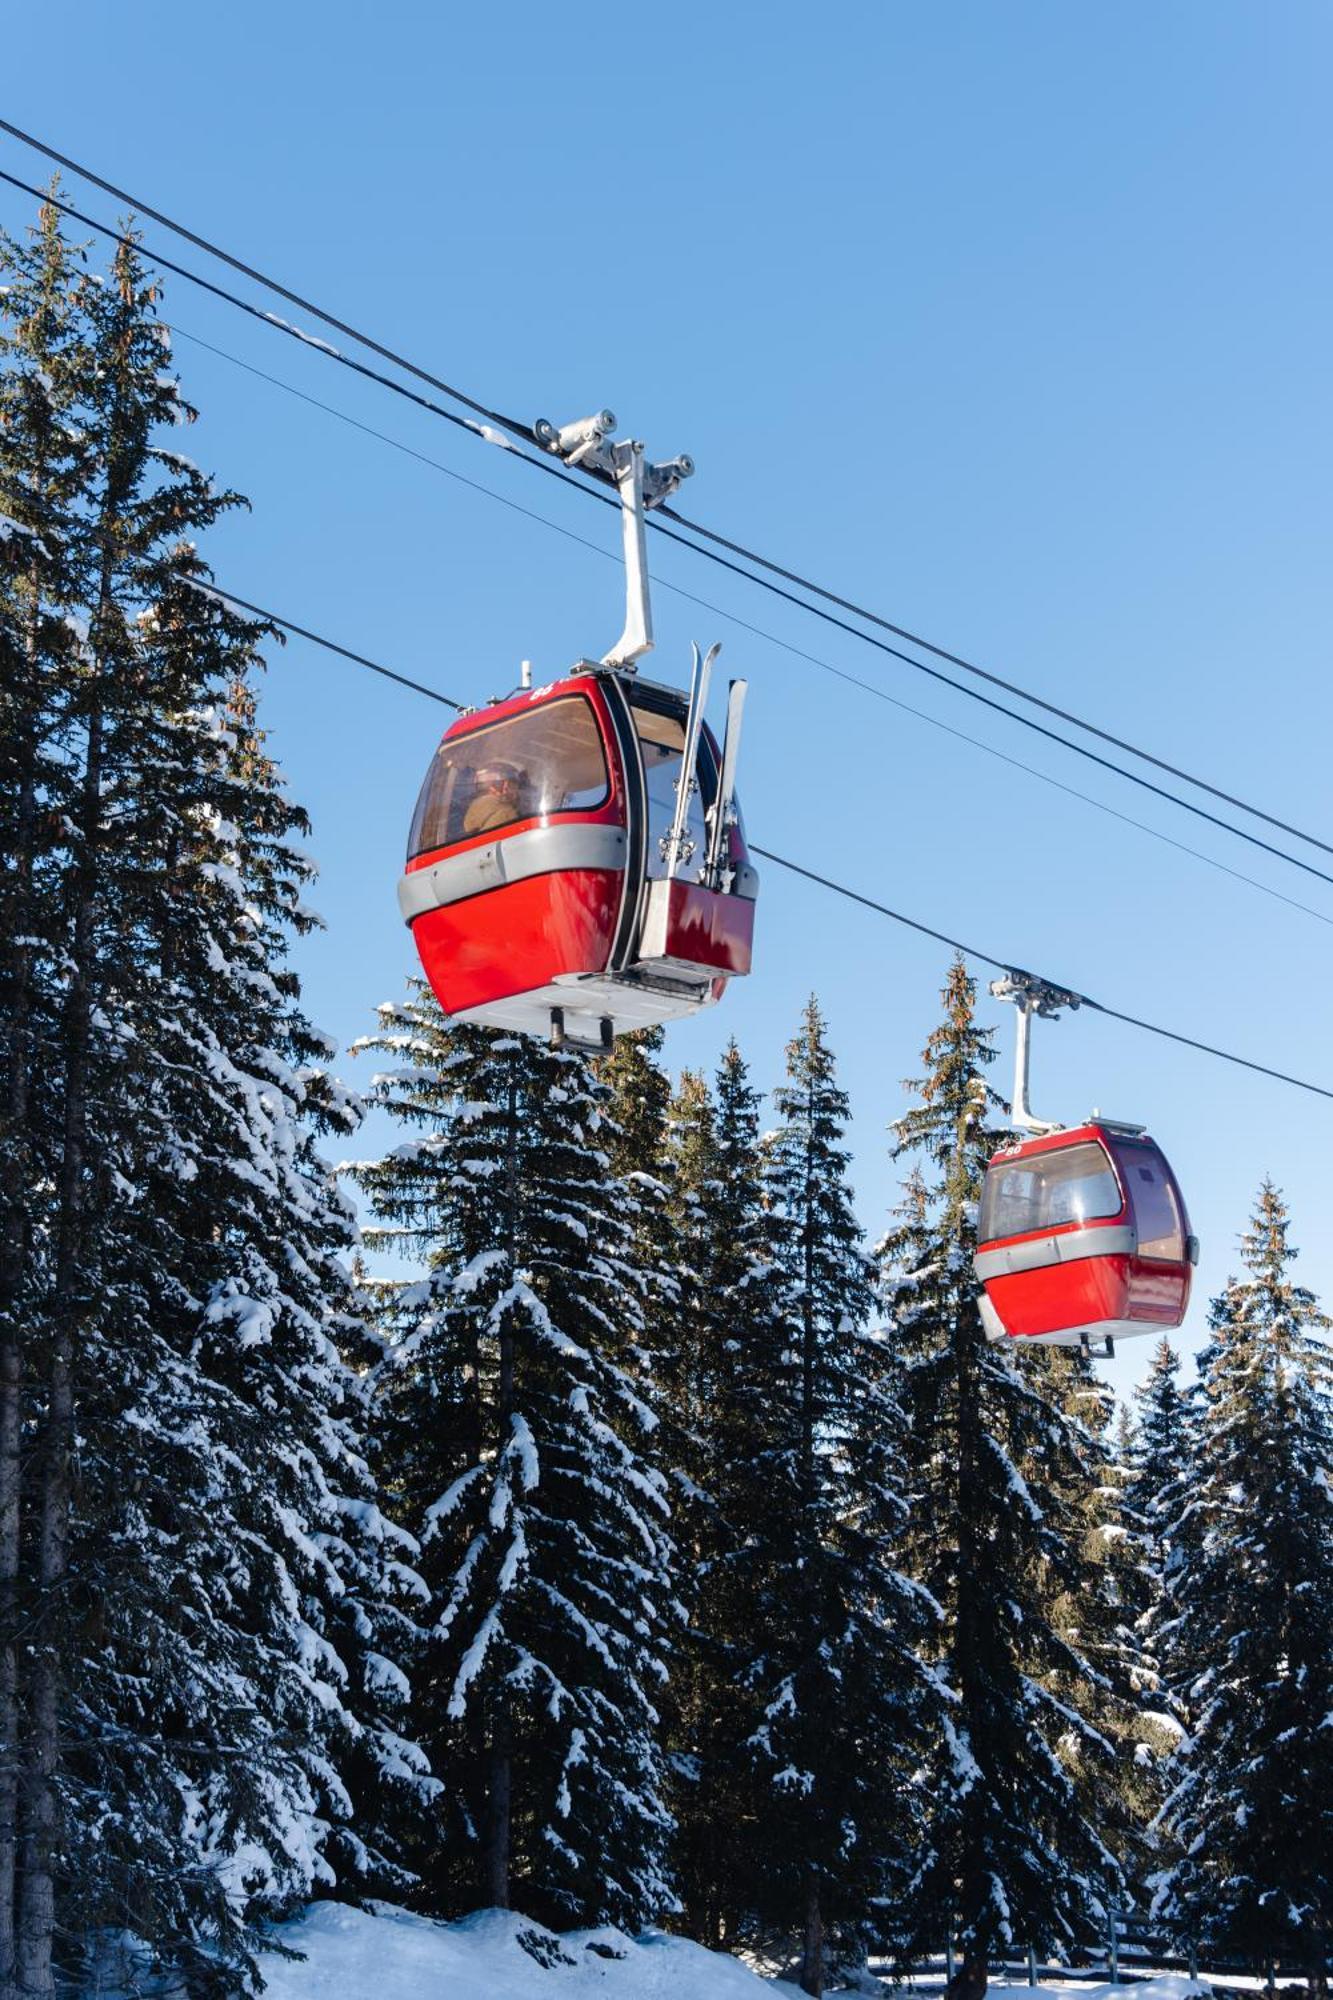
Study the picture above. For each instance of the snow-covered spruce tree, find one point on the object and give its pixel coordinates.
(1099, 1604)
(1161, 1454)
(640, 1094)
(513, 1440)
(1011, 1856)
(838, 1686)
(1159, 1463)
(689, 1709)
(733, 1308)
(635, 1128)
(189, 1720)
(41, 468)
(1253, 1811)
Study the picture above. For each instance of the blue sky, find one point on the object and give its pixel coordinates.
(1012, 322)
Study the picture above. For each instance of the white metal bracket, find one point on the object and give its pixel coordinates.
(641, 486)
(1030, 996)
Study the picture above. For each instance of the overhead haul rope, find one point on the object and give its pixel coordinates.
(556, 471)
(1081, 999)
(282, 623)
(779, 861)
(745, 625)
(525, 432)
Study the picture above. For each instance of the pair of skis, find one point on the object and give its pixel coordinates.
(678, 846)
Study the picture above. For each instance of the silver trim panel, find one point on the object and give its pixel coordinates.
(544, 850)
(1094, 1333)
(1119, 1240)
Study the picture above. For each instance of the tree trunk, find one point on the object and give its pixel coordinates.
(38, 1796)
(10, 1388)
(40, 1805)
(12, 1262)
(969, 1980)
(40, 1809)
(812, 1942)
(499, 1800)
(500, 1763)
(15, 1233)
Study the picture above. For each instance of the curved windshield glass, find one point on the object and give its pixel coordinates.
(547, 759)
(1154, 1201)
(1068, 1184)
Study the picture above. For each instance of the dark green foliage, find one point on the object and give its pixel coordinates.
(839, 1691)
(1002, 1477)
(515, 1439)
(1252, 1813)
(1099, 1605)
(208, 1677)
(733, 1306)
(1159, 1461)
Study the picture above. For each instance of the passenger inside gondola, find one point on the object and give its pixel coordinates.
(498, 800)
(544, 760)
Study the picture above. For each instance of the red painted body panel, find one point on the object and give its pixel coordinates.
(518, 937)
(709, 929)
(1093, 1290)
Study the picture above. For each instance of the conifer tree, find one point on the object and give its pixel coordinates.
(41, 465)
(1253, 1812)
(1100, 1605)
(190, 1725)
(1011, 1855)
(1160, 1453)
(839, 1689)
(515, 1444)
(692, 1387)
(1160, 1462)
(733, 1309)
(635, 1130)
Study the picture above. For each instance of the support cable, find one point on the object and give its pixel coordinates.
(871, 688)
(546, 464)
(527, 434)
(987, 958)
(792, 867)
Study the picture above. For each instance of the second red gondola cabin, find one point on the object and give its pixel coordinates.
(1083, 1235)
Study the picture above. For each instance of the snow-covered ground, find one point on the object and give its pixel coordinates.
(1164, 1986)
(392, 1955)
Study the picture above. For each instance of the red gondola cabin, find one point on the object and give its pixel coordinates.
(546, 887)
(1083, 1236)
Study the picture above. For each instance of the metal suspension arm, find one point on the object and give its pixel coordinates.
(1030, 996)
(640, 486)
(637, 637)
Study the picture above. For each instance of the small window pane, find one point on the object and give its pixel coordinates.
(1068, 1184)
(547, 760)
(662, 744)
(1156, 1209)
